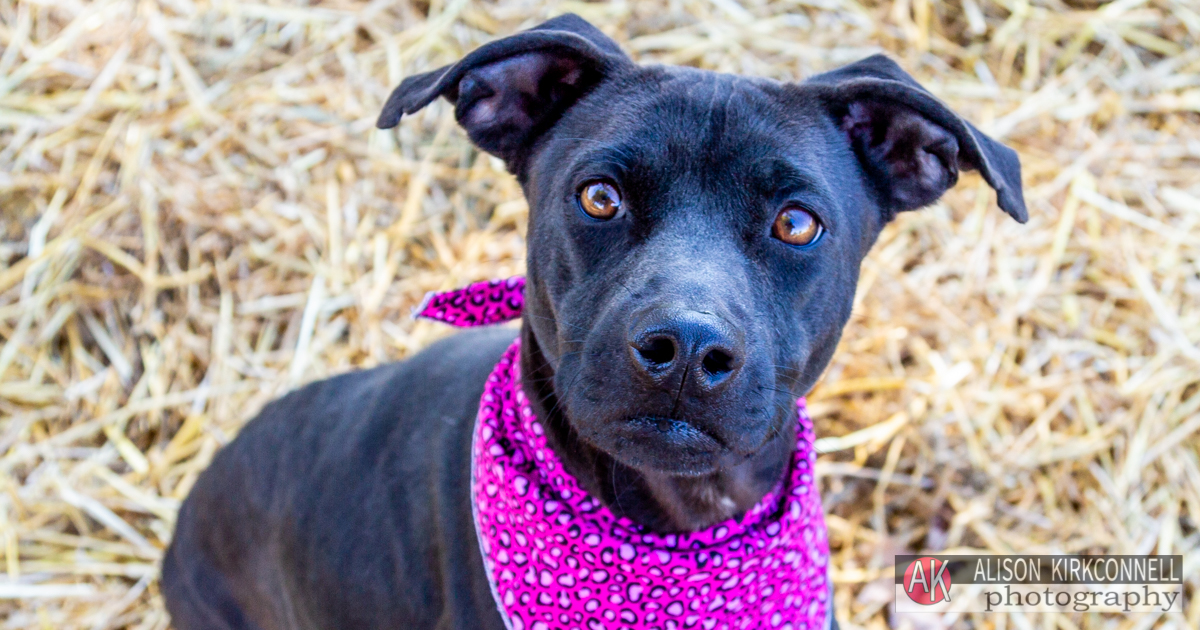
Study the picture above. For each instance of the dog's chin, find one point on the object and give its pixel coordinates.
(662, 445)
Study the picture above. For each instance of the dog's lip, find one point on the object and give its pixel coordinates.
(676, 432)
(663, 444)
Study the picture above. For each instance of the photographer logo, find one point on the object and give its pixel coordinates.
(927, 581)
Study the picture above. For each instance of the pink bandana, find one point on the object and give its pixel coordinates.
(557, 559)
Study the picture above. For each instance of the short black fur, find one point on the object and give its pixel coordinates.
(664, 348)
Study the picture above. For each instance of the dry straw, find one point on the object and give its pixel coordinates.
(198, 215)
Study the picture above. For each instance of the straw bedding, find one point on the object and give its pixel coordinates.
(198, 215)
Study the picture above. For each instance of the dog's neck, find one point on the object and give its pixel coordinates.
(664, 503)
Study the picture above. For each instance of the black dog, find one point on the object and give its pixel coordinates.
(694, 245)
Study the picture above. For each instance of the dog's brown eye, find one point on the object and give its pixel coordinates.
(599, 199)
(796, 226)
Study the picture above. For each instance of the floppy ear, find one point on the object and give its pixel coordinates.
(911, 143)
(509, 91)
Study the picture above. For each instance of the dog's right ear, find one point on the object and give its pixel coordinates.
(509, 91)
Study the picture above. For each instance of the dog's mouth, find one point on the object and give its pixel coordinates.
(663, 444)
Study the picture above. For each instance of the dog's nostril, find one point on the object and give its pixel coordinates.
(718, 362)
(657, 351)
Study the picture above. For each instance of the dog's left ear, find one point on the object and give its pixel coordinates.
(909, 141)
(509, 91)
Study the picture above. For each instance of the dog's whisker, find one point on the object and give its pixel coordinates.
(555, 321)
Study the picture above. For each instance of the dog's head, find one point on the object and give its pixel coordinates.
(695, 238)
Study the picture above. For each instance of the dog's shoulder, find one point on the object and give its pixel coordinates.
(387, 449)
(446, 378)
(338, 429)
(354, 419)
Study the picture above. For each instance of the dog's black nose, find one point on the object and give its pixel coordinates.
(704, 349)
